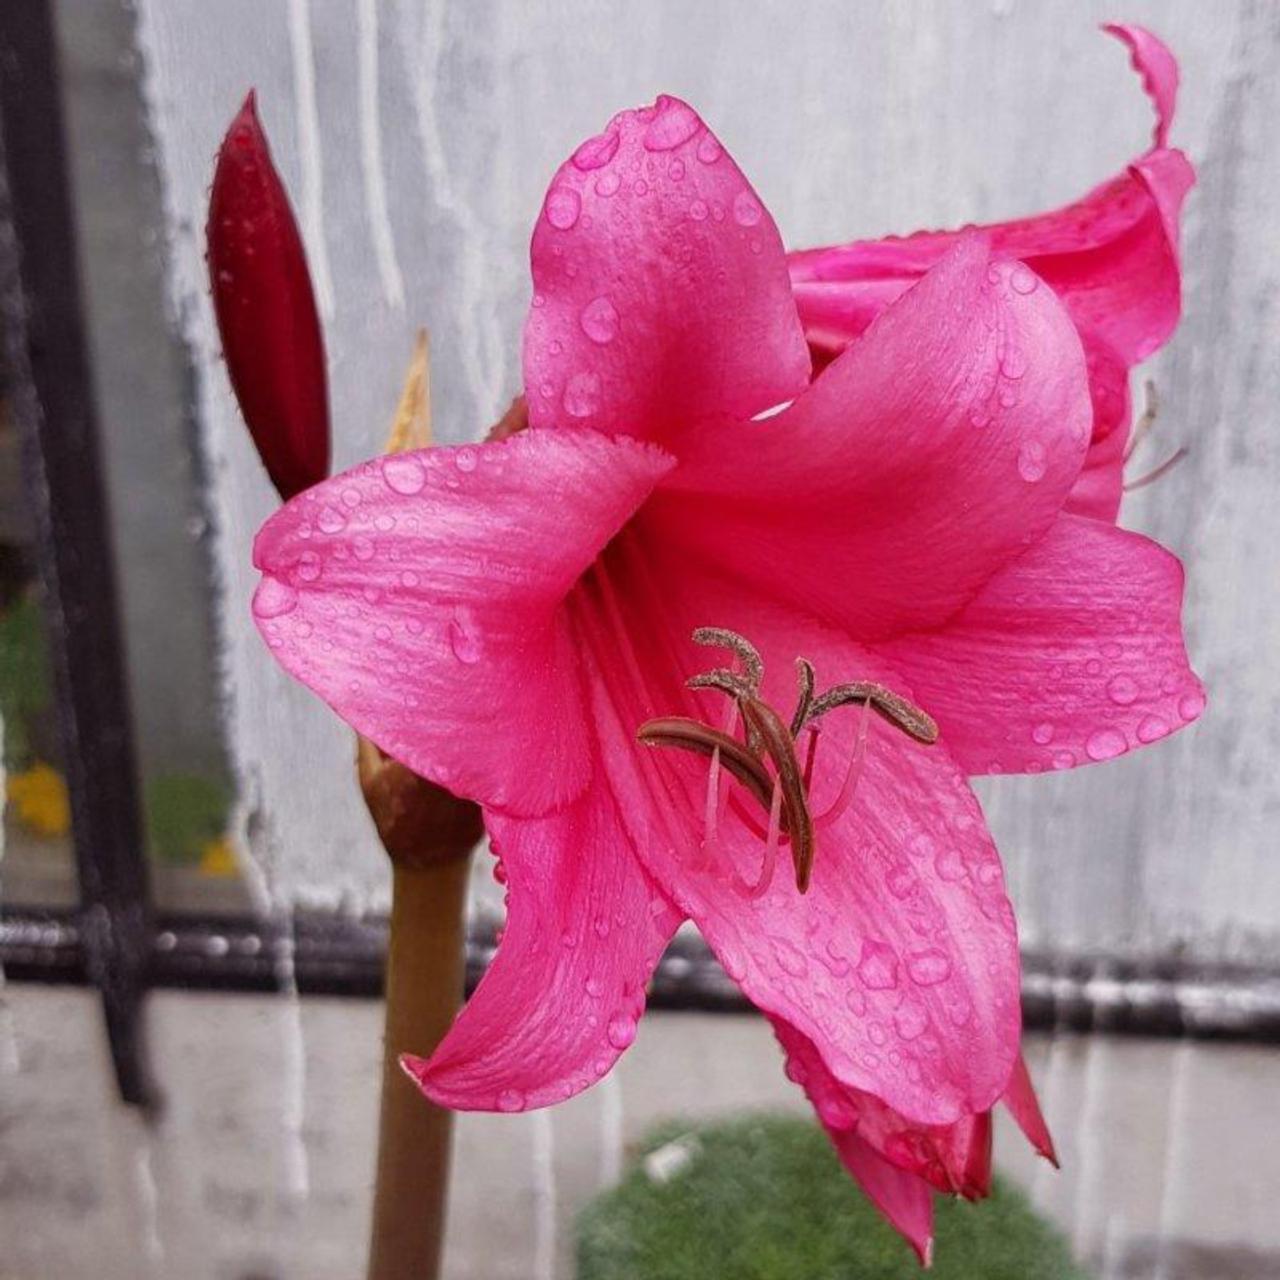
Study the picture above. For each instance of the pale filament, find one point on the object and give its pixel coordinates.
(770, 858)
(853, 775)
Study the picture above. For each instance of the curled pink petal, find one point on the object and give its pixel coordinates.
(1024, 1106)
(1158, 68)
(918, 463)
(904, 1200)
(1073, 654)
(661, 296)
(560, 1002)
(1112, 257)
(418, 595)
(907, 904)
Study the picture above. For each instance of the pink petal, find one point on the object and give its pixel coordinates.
(924, 458)
(1072, 654)
(1024, 1106)
(906, 926)
(1100, 485)
(1111, 256)
(560, 1002)
(661, 296)
(954, 1159)
(904, 1200)
(418, 595)
(1158, 68)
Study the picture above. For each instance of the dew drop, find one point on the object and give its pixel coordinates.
(465, 458)
(878, 966)
(949, 866)
(309, 566)
(1122, 690)
(607, 184)
(901, 881)
(709, 148)
(462, 637)
(510, 1100)
(928, 968)
(331, 520)
(599, 320)
(1190, 706)
(877, 1033)
(1032, 461)
(676, 171)
(596, 152)
(403, 474)
(562, 208)
(1106, 744)
(582, 395)
(675, 124)
(1023, 279)
(1063, 759)
(1152, 729)
(698, 211)
(746, 209)
(1043, 733)
(594, 988)
(910, 1020)
(621, 1031)
(789, 959)
(273, 599)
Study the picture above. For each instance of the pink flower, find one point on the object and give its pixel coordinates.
(1112, 257)
(504, 618)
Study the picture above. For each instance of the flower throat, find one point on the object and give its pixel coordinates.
(769, 739)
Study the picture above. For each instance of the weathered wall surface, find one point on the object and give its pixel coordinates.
(418, 139)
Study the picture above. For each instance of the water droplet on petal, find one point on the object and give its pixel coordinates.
(607, 184)
(273, 599)
(949, 866)
(746, 209)
(403, 474)
(465, 458)
(910, 1020)
(599, 320)
(1106, 744)
(510, 1100)
(1152, 729)
(928, 968)
(594, 988)
(1122, 690)
(709, 148)
(596, 152)
(582, 395)
(675, 123)
(878, 966)
(1032, 461)
(363, 546)
(463, 638)
(1023, 279)
(698, 210)
(562, 208)
(309, 566)
(1043, 733)
(1191, 706)
(1063, 759)
(621, 1031)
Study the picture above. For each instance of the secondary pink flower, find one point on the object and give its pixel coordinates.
(266, 310)
(1112, 257)
(503, 618)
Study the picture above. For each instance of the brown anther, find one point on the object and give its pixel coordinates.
(747, 653)
(891, 706)
(780, 747)
(693, 735)
(805, 676)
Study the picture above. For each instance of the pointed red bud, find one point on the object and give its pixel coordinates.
(266, 309)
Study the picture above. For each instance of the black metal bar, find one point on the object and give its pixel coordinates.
(342, 955)
(52, 399)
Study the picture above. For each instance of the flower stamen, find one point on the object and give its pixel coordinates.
(784, 789)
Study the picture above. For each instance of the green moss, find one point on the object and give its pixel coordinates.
(764, 1198)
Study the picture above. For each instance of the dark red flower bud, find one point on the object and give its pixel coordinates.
(266, 309)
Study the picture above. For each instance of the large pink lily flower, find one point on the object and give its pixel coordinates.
(504, 618)
(1112, 257)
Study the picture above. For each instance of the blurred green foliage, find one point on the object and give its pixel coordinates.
(24, 678)
(185, 813)
(764, 1198)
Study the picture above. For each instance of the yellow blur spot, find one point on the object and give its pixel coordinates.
(39, 799)
(218, 858)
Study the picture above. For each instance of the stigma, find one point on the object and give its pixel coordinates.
(766, 760)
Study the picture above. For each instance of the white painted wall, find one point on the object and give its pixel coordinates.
(418, 138)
